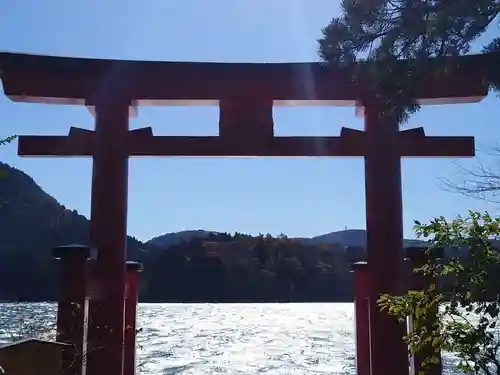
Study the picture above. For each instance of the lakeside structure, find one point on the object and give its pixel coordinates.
(245, 94)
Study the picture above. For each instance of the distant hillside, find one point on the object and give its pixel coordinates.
(351, 237)
(242, 268)
(31, 224)
(176, 238)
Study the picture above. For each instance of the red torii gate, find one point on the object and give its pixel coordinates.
(245, 94)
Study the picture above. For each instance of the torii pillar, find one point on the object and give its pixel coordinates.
(108, 229)
(384, 147)
(107, 145)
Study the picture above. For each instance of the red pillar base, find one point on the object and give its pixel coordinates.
(131, 299)
(71, 304)
(362, 317)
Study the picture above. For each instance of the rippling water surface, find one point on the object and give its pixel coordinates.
(225, 338)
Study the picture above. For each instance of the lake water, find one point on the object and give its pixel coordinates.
(225, 338)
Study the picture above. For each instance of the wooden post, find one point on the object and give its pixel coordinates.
(108, 235)
(418, 257)
(71, 304)
(362, 317)
(384, 226)
(131, 299)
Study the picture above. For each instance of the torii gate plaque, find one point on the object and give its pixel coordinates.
(245, 94)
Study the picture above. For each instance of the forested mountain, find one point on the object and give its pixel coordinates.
(240, 268)
(32, 223)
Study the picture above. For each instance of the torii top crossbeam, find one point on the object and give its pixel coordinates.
(244, 92)
(63, 80)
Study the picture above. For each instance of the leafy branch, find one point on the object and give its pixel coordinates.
(467, 322)
(385, 32)
(7, 140)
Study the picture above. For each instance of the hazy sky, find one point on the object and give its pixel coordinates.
(300, 197)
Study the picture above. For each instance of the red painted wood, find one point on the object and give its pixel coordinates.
(74, 144)
(49, 79)
(108, 235)
(362, 317)
(133, 270)
(244, 146)
(143, 144)
(436, 147)
(245, 121)
(384, 224)
(71, 304)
